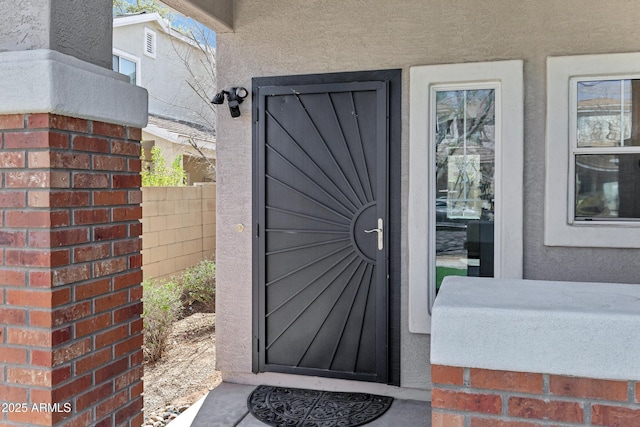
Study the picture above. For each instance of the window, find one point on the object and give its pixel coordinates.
(126, 64)
(605, 150)
(465, 177)
(464, 196)
(149, 42)
(593, 151)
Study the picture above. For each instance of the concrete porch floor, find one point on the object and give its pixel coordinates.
(226, 406)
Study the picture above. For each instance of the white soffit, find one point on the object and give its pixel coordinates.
(47, 81)
(177, 138)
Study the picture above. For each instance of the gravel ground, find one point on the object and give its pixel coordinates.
(186, 371)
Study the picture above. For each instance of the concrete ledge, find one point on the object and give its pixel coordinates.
(47, 81)
(565, 328)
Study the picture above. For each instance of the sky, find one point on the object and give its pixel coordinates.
(183, 21)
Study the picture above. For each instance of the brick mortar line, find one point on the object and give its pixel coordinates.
(104, 399)
(469, 389)
(90, 123)
(552, 397)
(586, 413)
(28, 288)
(546, 384)
(63, 227)
(83, 152)
(69, 285)
(103, 365)
(468, 416)
(533, 421)
(82, 356)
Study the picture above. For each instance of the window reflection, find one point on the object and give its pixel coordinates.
(607, 181)
(604, 113)
(608, 186)
(465, 190)
(124, 66)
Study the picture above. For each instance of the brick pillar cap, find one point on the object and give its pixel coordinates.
(47, 81)
(566, 328)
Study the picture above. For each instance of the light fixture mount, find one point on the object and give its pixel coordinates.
(235, 97)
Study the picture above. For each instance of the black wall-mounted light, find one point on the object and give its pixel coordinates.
(235, 96)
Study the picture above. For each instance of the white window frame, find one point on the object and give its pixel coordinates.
(560, 226)
(506, 78)
(149, 32)
(132, 58)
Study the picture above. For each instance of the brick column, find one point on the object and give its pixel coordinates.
(489, 398)
(70, 272)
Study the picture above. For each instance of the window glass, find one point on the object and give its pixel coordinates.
(465, 190)
(607, 186)
(604, 113)
(125, 66)
(128, 68)
(606, 157)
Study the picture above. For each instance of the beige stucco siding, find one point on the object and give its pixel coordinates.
(284, 37)
(44, 24)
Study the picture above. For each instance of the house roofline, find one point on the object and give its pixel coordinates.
(139, 18)
(144, 17)
(178, 138)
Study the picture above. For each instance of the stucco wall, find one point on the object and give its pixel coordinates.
(179, 228)
(44, 24)
(287, 37)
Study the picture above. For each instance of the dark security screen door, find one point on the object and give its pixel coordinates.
(321, 244)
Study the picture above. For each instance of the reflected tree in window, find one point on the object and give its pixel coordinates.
(607, 150)
(465, 168)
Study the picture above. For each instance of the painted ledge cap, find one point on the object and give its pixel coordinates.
(566, 328)
(47, 81)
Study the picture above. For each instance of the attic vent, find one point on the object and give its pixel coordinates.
(150, 43)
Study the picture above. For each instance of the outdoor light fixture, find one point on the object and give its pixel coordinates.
(235, 96)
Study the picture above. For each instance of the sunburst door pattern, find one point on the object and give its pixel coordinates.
(322, 186)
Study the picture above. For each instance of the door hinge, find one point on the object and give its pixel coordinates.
(257, 230)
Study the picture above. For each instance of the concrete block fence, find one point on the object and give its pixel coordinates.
(70, 272)
(179, 225)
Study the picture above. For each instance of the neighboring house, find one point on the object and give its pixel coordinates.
(331, 184)
(180, 138)
(167, 63)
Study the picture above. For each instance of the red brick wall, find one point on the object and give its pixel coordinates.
(484, 398)
(70, 326)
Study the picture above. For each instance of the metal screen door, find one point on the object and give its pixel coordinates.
(321, 190)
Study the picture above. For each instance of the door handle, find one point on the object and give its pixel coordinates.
(380, 234)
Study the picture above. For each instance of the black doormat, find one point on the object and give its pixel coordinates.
(279, 406)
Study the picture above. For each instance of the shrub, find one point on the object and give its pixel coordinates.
(160, 175)
(199, 284)
(161, 308)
